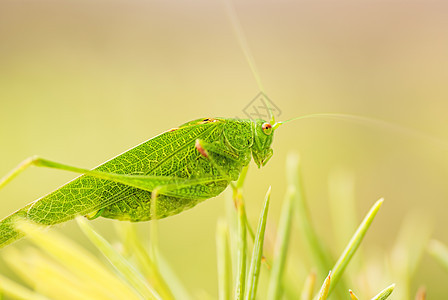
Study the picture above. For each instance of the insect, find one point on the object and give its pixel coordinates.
(182, 167)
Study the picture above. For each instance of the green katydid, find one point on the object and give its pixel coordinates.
(183, 166)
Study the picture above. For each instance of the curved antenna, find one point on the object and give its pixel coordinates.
(371, 121)
(244, 45)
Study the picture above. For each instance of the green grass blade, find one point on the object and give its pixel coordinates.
(352, 295)
(242, 246)
(232, 226)
(384, 294)
(257, 253)
(118, 261)
(353, 245)
(324, 290)
(281, 247)
(223, 258)
(239, 186)
(249, 229)
(308, 288)
(242, 231)
(16, 291)
(77, 260)
(440, 252)
(242, 178)
(133, 246)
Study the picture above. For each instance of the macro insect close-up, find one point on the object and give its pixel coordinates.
(309, 110)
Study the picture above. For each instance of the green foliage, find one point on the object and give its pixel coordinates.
(257, 253)
(384, 294)
(138, 272)
(325, 288)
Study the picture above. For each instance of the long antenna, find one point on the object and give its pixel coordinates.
(242, 41)
(372, 121)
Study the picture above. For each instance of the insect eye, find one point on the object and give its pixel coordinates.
(267, 128)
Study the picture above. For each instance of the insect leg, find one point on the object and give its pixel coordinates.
(204, 147)
(38, 162)
(16, 171)
(144, 182)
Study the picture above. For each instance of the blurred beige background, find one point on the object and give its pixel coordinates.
(85, 80)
